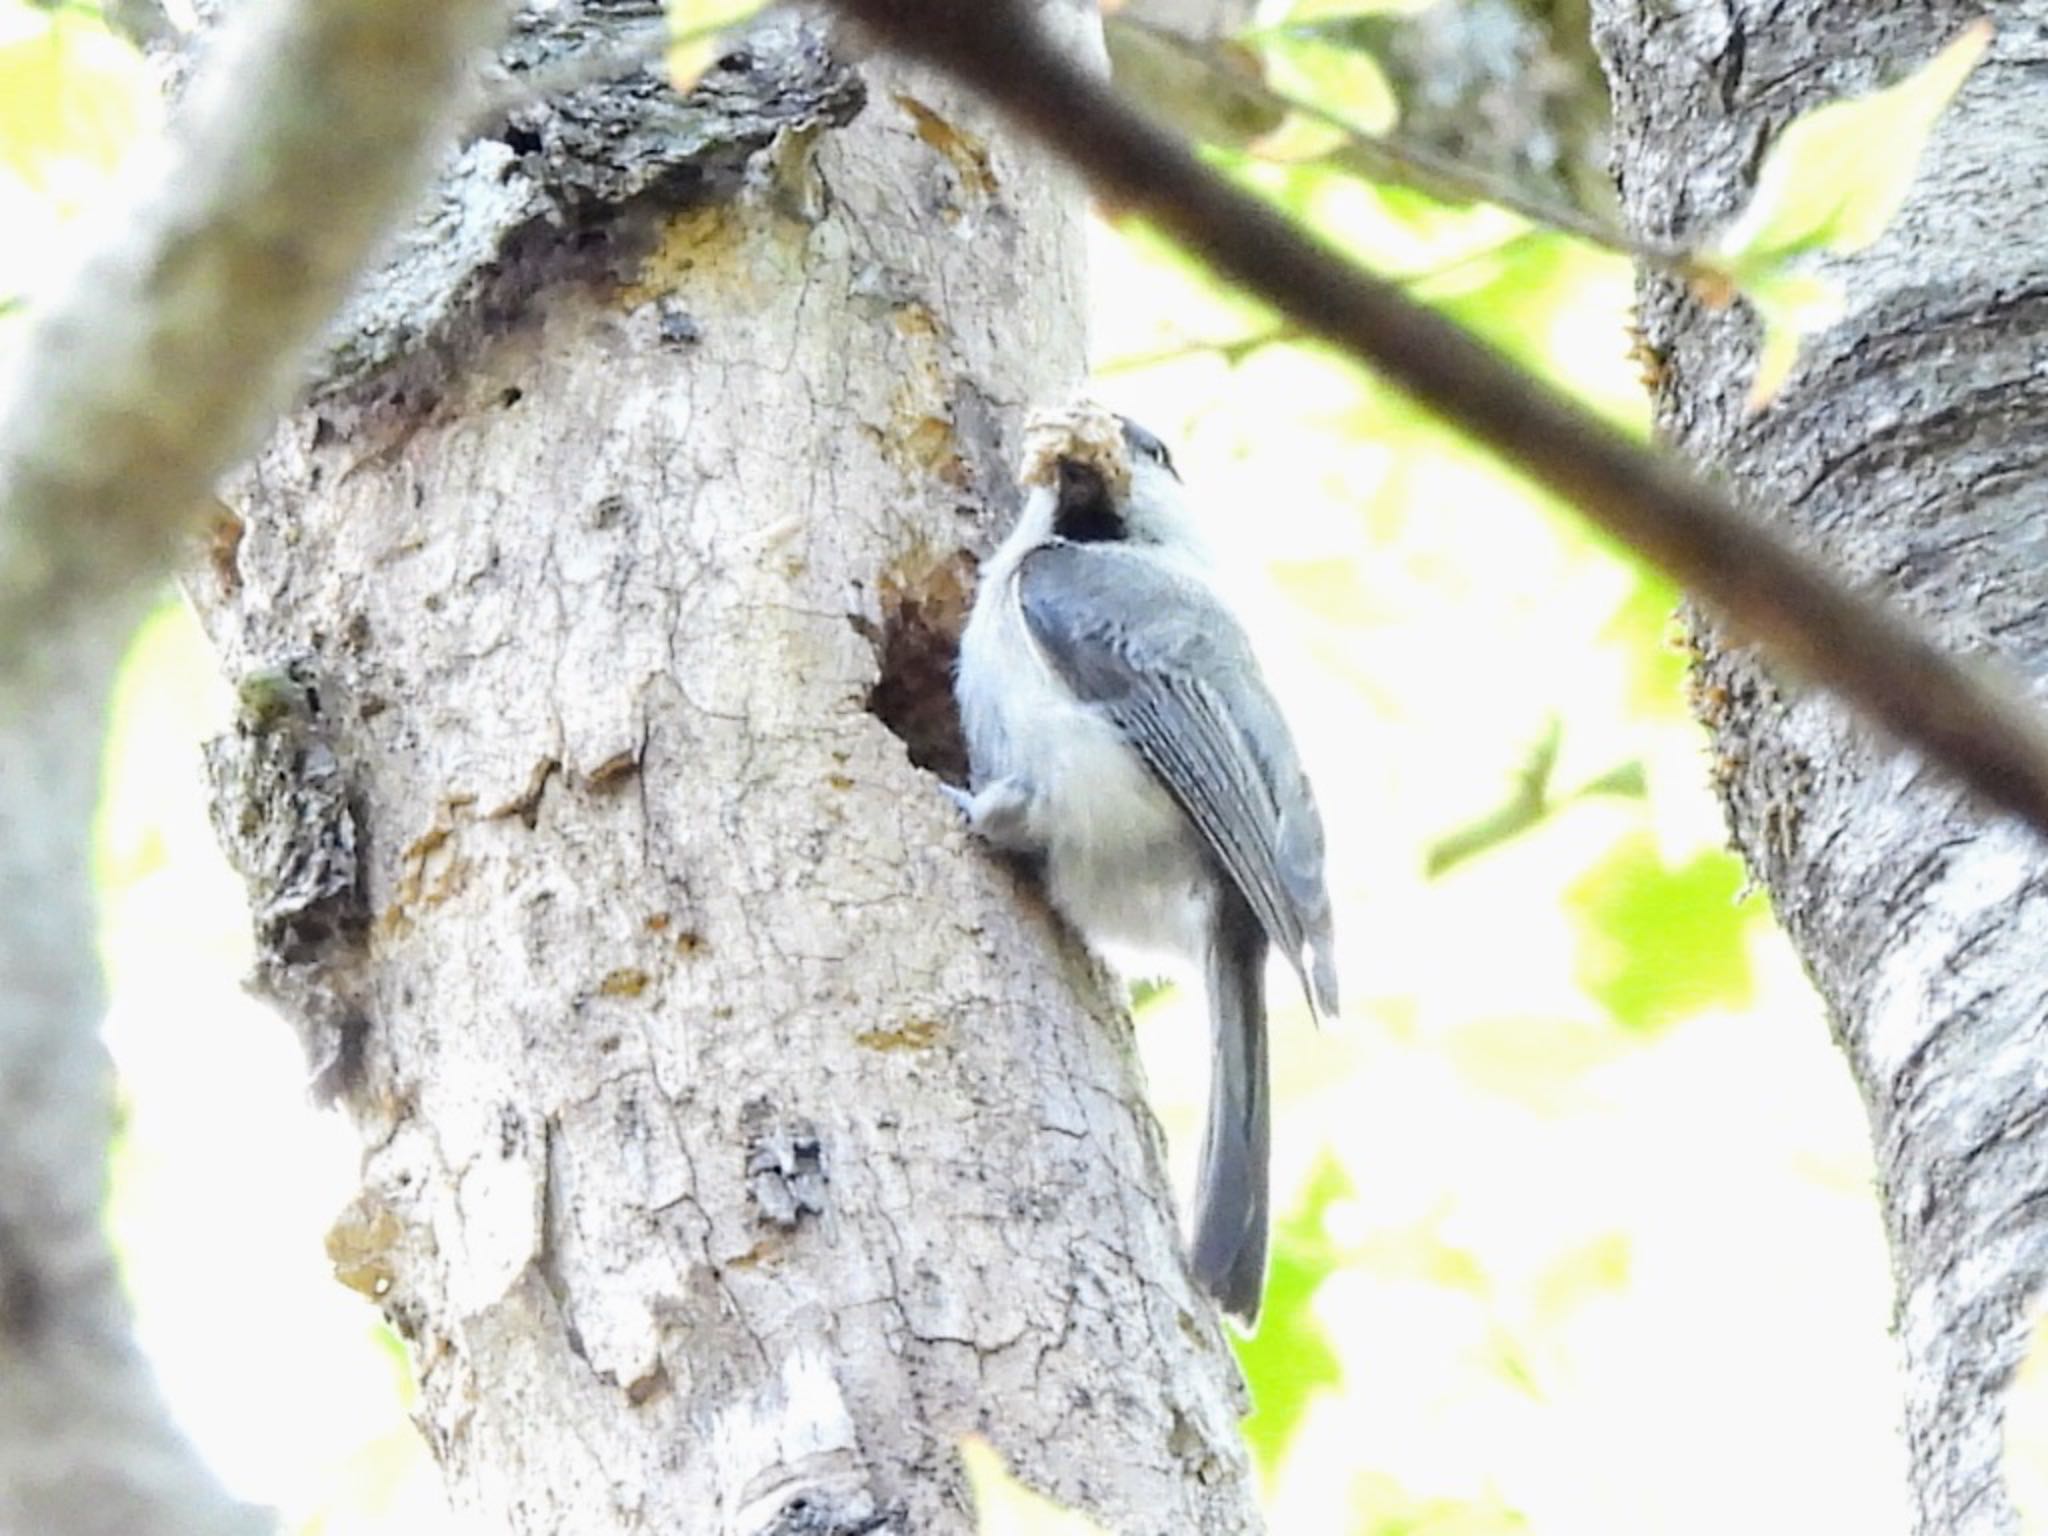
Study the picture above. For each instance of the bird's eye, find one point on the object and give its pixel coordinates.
(1143, 445)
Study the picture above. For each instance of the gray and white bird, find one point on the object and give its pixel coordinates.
(1119, 730)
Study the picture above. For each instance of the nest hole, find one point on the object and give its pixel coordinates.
(923, 611)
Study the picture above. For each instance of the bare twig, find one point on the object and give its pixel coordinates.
(1965, 716)
(1529, 802)
(1388, 157)
(1232, 350)
(132, 390)
(1235, 349)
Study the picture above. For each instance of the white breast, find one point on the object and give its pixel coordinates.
(1122, 863)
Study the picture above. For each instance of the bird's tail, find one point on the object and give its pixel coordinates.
(1230, 1194)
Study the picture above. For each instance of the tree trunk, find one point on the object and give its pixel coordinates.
(736, 1134)
(1907, 450)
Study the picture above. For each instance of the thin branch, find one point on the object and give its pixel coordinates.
(131, 390)
(1236, 349)
(1962, 714)
(1232, 350)
(1529, 802)
(1384, 157)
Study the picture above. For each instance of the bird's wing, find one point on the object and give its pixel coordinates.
(1178, 678)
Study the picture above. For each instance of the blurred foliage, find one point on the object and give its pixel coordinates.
(1576, 1171)
(1660, 943)
(1510, 88)
(1530, 799)
(1313, 67)
(1290, 1357)
(74, 99)
(1501, 102)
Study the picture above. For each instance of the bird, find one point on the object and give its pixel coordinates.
(1120, 733)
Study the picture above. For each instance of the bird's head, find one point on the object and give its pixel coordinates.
(1134, 497)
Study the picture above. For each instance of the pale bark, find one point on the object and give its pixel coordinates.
(737, 1135)
(131, 392)
(1907, 450)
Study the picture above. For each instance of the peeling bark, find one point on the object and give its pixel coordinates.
(1906, 450)
(736, 1135)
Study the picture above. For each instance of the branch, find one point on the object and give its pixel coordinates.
(1235, 349)
(1381, 157)
(154, 371)
(1528, 804)
(1962, 714)
(304, 136)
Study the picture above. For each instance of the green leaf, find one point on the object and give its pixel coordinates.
(1382, 1508)
(687, 16)
(1657, 944)
(1289, 1359)
(1593, 1270)
(1836, 177)
(1832, 181)
(1526, 805)
(1645, 629)
(1791, 305)
(1005, 1507)
(1147, 990)
(73, 99)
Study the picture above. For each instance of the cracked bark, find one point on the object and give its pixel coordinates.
(1907, 450)
(735, 1134)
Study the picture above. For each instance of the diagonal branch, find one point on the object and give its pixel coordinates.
(156, 367)
(301, 141)
(1962, 714)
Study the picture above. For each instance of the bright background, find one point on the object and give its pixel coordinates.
(1578, 1229)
